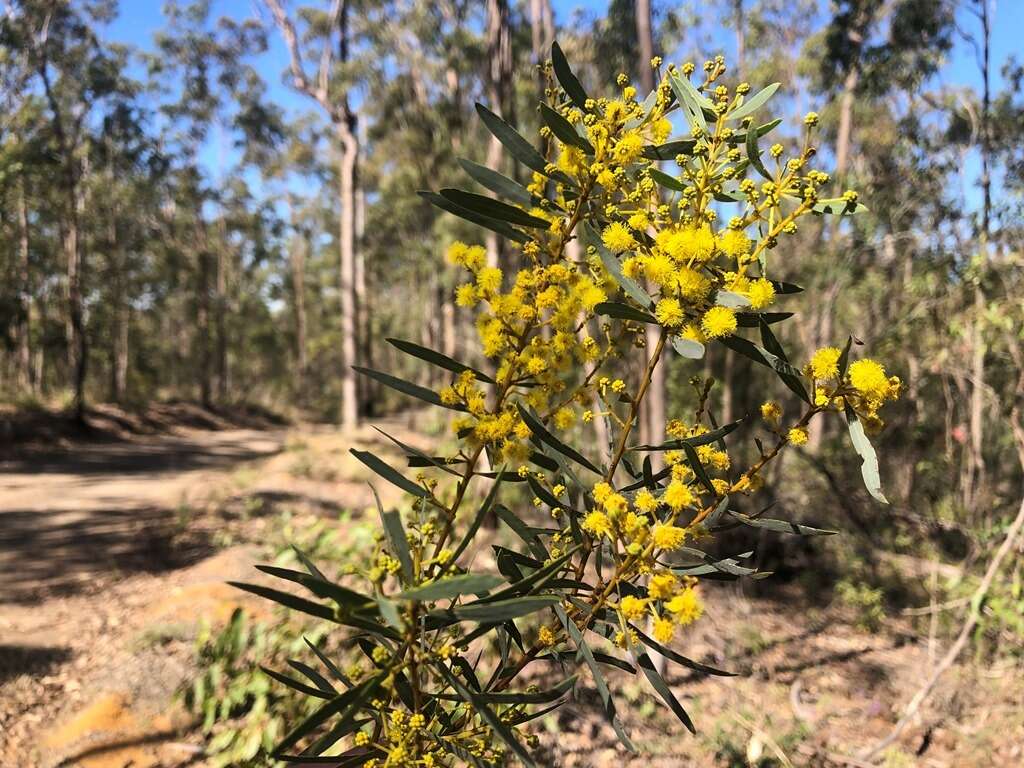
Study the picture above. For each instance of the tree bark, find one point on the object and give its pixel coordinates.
(298, 269)
(349, 342)
(204, 342)
(26, 380)
(499, 81)
(652, 421)
(221, 314)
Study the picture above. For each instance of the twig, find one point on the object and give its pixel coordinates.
(965, 632)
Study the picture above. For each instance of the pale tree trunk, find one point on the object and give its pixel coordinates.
(349, 342)
(542, 35)
(346, 124)
(76, 266)
(499, 83)
(652, 420)
(220, 314)
(367, 387)
(25, 296)
(204, 342)
(119, 331)
(298, 268)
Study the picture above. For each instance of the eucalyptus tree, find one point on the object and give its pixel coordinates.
(77, 75)
(200, 69)
(331, 35)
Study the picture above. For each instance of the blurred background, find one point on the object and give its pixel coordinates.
(208, 211)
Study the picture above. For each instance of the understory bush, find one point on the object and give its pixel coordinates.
(624, 243)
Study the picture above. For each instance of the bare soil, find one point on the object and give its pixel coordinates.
(113, 551)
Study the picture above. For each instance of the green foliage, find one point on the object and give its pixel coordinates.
(867, 602)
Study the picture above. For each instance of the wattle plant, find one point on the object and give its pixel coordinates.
(617, 231)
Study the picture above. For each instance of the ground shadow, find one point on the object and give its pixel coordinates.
(17, 660)
(60, 552)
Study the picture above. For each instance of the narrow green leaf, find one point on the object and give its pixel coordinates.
(478, 519)
(436, 358)
(697, 440)
(406, 387)
(754, 319)
(336, 673)
(393, 476)
(837, 206)
(517, 146)
(569, 82)
(398, 542)
(666, 181)
(481, 708)
(494, 209)
(754, 155)
(313, 676)
(754, 103)
(296, 685)
(790, 376)
(389, 611)
(321, 587)
(564, 130)
(698, 469)
(632, 288)
(779, 526)
(668, 653)
(498, 183)
(522, 531)
(869, 459)
(345, 705)
(661, 687)
(539, 431)
(669, 150)
(451, 587)
(288, 600)
(500, 227)
(424, 459)
(522, 697)
(622, 311)
(731, 300)
(599, 682)
(503, 610)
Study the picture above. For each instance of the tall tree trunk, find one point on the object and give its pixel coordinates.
(499, 85)
(78, 345)
(221, 313)
(24, 277)
(652, 420)
(367, 387)
(203, 335)
(298, 268)
(347, 237)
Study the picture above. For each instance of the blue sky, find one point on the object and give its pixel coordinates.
(140, 19)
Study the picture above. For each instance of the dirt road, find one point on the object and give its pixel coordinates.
(67, 519)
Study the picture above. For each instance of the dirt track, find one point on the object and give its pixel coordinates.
(67, 519)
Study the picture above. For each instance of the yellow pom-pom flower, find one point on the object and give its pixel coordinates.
(868, 377)
(761, 293)
(718, 322)
(824, 363)
(797, 436)
(664, 630)
(617, 238)
(669, 313)
(597, 524)
(668, 536)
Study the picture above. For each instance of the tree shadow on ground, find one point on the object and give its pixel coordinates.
(17, 660)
